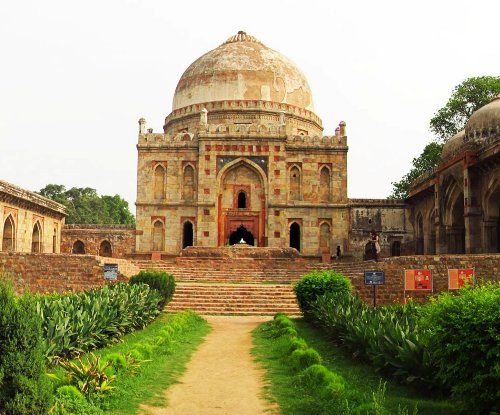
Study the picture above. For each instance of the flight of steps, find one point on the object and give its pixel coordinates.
(235, 299)
(240, 286)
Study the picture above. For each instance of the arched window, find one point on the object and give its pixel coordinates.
(242, 200)
(324, 185)
(36, 238)
(9, 235)
(294, 183)
(188, 183)
(78, 248)
(105, 249)
(159, 182)
(396, 248)
(324, 238)
(158, 236)
(187, 234)
(295, 236)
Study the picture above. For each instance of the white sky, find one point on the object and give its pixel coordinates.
(75, 76)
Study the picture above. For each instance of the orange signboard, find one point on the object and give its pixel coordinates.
(418, 279)
(457, 278)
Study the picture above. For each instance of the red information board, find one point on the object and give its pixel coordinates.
(457, 278)
(418, 280)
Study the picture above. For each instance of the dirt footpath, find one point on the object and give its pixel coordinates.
(221, 377)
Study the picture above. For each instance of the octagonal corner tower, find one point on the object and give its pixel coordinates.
(246, 78)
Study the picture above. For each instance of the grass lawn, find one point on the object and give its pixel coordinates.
(149, 384)
(282, 386)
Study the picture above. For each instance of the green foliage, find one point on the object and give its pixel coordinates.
(388, 337)
(84, 205)
(317, 283)
(303, 358)
(70, 401)
(84, 321)
(23, 387)
(463, 335)
(117, 361)
(426, 161)
(158, 280)
(469, 96)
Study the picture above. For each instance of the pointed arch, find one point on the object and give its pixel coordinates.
(160, 180)
(187, 234)
(324, 184)
(246, 162)
(36, 238)
(491, 218)
(188, 182)
(54, 241)
(158, 236)
(105, 249)
(324, 237)
(78, 248)
(295, 183)
(419, 234)
(242, 200)
(9, 234)
(295, 237)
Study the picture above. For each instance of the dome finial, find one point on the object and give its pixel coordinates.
(242, 36)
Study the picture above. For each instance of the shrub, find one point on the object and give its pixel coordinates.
(302, 358)
(145, 349)
(463, 337)
(317, 283)
(84, 321)
(117, 361)
(70, 401)
(158, 280)
(296, 343)
(318, 376)
(24, 390)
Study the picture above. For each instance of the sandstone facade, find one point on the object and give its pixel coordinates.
(28, 221)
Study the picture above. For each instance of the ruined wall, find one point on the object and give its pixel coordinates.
(120, 237)
(59, 272)
(389, 219)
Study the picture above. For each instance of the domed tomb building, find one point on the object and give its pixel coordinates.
(242, 156)
(455, 208)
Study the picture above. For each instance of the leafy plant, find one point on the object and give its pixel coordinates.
(76, 323)
(24, 389)
(157, 280)
(317, 283)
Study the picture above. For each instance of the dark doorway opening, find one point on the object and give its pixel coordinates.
(295, 236)
(187, 235)
(242, 200)
(396, 248)
(370, 252)
(105, 249)
(239, 234)
(78, 248)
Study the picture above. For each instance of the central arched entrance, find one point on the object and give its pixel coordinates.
(187, 234)
(241, 203)
(241, 233)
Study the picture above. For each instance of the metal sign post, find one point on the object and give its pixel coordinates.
(374, 278)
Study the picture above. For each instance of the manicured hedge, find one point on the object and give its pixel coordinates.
(158, 280)
(79, 322)
(317, 283)
(24, 389)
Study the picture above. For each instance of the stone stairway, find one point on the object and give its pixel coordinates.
(235, 299)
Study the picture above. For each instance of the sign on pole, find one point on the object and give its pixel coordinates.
(374, 277)
(111, 272)
(418, 280)
(457, 278)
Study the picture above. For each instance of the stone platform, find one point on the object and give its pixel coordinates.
(240, 251)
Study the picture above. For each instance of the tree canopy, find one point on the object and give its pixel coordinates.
(84, 205)
(469, 96)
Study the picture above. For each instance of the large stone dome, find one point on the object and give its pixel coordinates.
(242, 68)
(485, 122)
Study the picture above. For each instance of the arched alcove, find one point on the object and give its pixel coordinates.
(187, 234)
(159, 182)
(295, 236)
(78, 248)
(36, 238)
(242, 200)
(324, 185)
(295, 183)
(9, 234)
(105, 249)
(188, 183)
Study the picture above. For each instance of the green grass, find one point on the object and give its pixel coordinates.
(283, 388)
(154, 377)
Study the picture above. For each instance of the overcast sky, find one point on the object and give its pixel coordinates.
(75, 77)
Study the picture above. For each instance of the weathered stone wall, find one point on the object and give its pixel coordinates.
(389, 219)
(29, 221)
(487, 268)
(120, 237)
(59, 272)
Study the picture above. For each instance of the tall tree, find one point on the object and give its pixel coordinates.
(469, 96)
(84, 205)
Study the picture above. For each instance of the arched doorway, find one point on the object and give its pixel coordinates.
(54, 241)
(492, 222)
(295, 236)
(324, 238)
(370, 252)
(419, 240)
(187, 234)
(105, 249)
(396, 248)
(9, 235)
(78, 248)
(36, 238)
(241, 233)
(324, 185)
(242, 200)
(456, 233)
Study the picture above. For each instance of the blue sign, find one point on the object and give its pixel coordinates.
(374, 277)
(111, 272)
